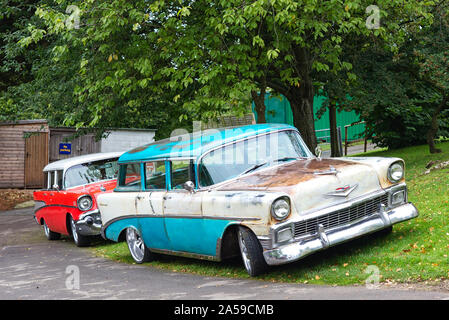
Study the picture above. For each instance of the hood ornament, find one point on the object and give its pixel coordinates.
(331, 170)
(343, 191)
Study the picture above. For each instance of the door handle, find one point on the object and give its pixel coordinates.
(139, 197)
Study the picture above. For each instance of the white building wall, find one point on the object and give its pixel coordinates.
(125, 140)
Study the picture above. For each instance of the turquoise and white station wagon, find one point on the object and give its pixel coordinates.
(254, 191)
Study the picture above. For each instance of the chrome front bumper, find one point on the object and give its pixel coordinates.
(89, 223)
(324, 239)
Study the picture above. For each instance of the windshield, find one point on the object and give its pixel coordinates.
(91, 172)
(249, 155)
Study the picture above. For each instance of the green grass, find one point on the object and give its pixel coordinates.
(416, 250)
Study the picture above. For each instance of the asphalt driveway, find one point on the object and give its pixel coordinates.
(33, 268)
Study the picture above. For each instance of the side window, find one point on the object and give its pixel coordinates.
(59, 176)
(50, 179)
(129, 177)
(181, 172)
(155, 175)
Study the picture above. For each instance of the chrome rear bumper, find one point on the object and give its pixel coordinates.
(324, 239)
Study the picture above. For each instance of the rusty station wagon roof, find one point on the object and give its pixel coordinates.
(195, 144)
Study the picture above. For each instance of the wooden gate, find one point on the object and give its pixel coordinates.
(81, 145)
(36, 158)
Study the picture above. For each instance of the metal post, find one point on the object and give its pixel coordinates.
(346, 140)
(340, 146)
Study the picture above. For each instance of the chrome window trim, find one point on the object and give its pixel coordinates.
(150, 160)
(86, 184)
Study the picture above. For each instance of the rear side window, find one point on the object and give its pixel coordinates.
(59, 174)
(155, 178)
(181, 172)
(129, 177)
(50, 179)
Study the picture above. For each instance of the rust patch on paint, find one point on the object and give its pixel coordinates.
(287, 175)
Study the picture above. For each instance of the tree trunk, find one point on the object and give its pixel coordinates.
(335, 149)
(301, 102)
(259, 102)
(434, 126)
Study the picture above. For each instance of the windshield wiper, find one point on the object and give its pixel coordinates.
(256, 166)
(285, 159)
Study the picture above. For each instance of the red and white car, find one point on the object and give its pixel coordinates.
(68, 205)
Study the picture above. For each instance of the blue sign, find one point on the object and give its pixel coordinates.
(65, 148)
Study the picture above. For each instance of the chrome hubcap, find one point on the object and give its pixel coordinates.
(46, 230)
(135, 244)
(244, 251)
(74, 233)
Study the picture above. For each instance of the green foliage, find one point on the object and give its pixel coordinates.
(164, 63)
(398, 92)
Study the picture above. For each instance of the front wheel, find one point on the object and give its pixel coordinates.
(137, 247)
(80, 240)
(50, 234)
(251, 252)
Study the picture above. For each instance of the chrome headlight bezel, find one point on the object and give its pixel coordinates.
(280, 208)
(392, 172)
(81, 204)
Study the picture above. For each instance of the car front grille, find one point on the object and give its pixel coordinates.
(340, 217)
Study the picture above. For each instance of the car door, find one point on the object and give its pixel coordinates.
(120, 207)
(150, 206)
(182, 211)
(55, 213)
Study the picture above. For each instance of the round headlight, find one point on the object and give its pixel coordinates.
(280, 208)
(84, 203)
(396, 172)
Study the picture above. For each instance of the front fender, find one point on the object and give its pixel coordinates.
(380, 165)
(251, 208)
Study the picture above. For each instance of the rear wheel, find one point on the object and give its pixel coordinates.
(80, 240)
(50, 234)
(251, 252)
(137, 247)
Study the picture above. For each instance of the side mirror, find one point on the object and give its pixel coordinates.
(318, 152)
(56, 187)
(189, 186)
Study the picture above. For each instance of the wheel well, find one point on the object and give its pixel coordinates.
(229, 243)
(67, 223)
(122, 236)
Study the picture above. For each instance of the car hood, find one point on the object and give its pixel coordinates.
(312, 183)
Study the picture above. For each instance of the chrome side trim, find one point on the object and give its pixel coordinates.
(38, 204)
(186, 254)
